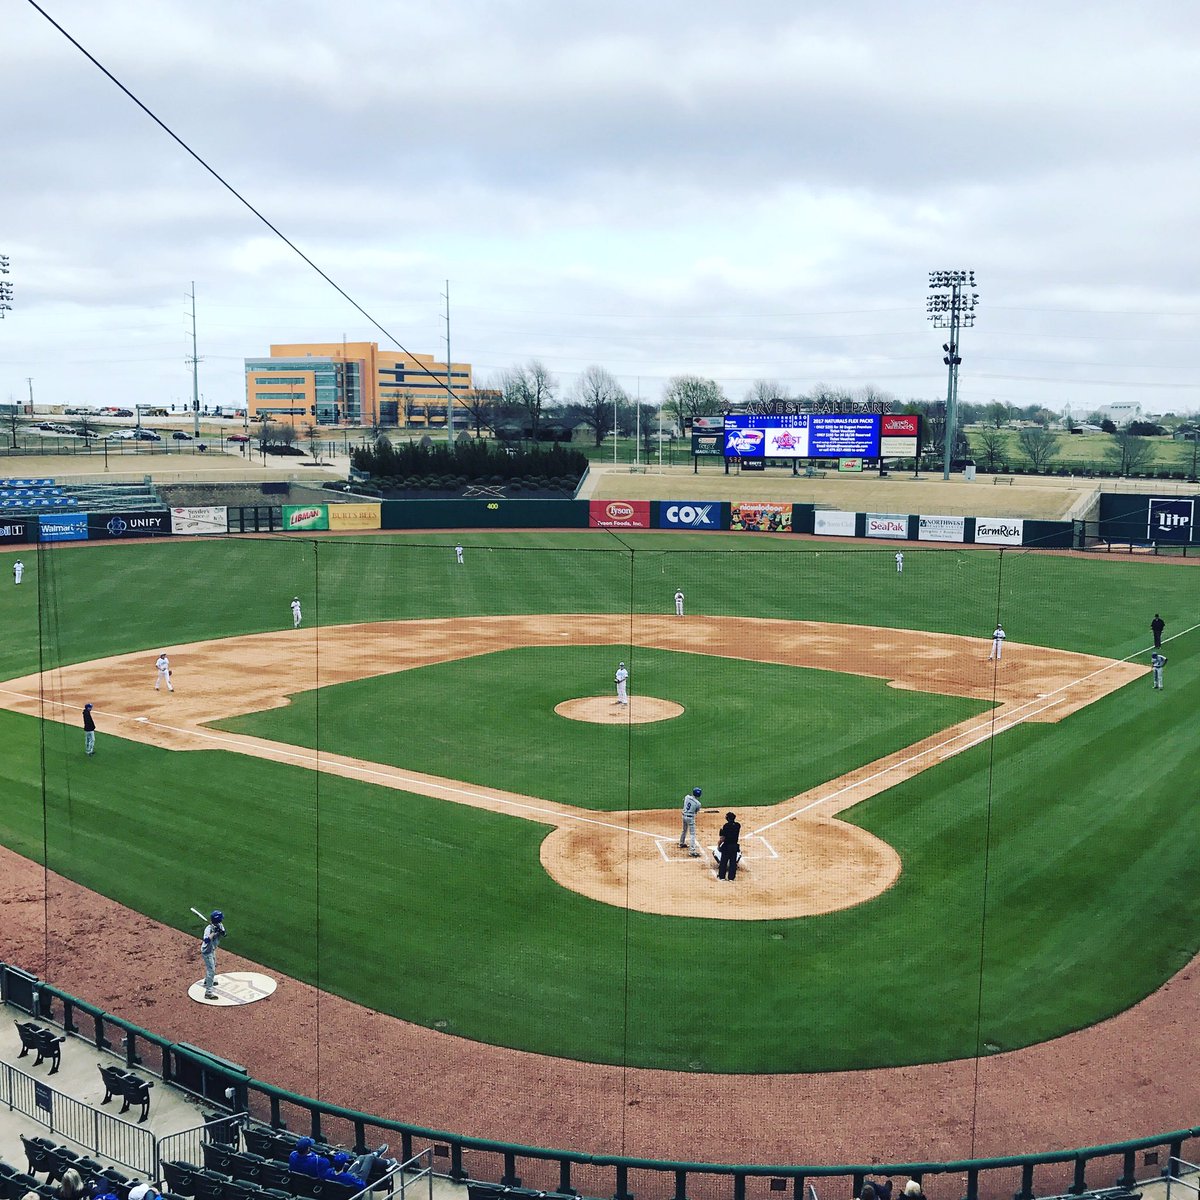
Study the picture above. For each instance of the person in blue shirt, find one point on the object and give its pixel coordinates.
(306, 1161)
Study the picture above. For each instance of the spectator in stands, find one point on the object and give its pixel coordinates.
(356, 1172)
(913, 1190)
(876, 1189)
(102, 1189)
(71, 1186)
(31, 1196)
(143, 1191)
(305, 1160)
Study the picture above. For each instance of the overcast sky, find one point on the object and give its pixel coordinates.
(739, 191)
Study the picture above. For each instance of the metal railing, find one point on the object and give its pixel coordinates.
(97, 1132)
(1178, 1169)
(1021, 1176)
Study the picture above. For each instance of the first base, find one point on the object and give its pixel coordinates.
(234, 988)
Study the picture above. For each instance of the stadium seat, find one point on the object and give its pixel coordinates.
(210, 1185)
(218, 1128)
(261, 1141)
(37, 1155)
(180, 1177)
(218, 1158)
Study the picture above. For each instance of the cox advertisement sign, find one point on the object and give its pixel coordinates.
(619, 514)
(887, 525)
(139, 524)
(691, 514)
(66, 527)
(1000, 531)
(1170, 520)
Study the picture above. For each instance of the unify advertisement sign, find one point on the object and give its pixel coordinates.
(138, 524)
(1170, 520)
(887, 525)
(619, 514)
(1000, 531)
(692, 515)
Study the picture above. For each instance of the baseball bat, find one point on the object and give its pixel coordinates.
(200, 915)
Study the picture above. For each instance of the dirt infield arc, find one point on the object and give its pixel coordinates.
(799, 859)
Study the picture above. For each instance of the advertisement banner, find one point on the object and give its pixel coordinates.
(11, 493)
(139, 523)
(66, 527)
(999, 531)
(802, 435)
(355, 516)
(15, 531)
(757, 516)
(304, 516)
(848, 465)
(619, 514)
(192, 521)
(693, 514)
(887, 525)
(942, 529)
(708, 445)
(1170, 520)
(899, 435)
(26, 483)
(833, 524)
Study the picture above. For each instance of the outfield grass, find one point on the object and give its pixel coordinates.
(1072, 840)
(751, 733)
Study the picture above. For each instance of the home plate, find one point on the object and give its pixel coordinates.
(143, 720)
(234, 987)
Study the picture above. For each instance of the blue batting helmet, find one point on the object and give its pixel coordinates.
(216, 915)
(697, 793)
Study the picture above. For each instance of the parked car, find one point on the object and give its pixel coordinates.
(121, 435)
(147, 435)
(181, 436)
(122, 412)
(236, 437)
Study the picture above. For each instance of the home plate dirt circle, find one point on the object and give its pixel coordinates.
(604, 710)
(233, 988)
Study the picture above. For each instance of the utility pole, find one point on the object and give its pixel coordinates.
(6, 288)
(449, 376)
(950, 306)
(195, 362)
(29, 381)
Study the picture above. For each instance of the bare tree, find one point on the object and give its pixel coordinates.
(597, 394)
(1129, 452)
(688, 396)
(408, 405)
(992, 445)
(530, 388)
(1039, 446)
(480, 405)
(12, 418)
(87, 424)
(312, 435)
(763, 390)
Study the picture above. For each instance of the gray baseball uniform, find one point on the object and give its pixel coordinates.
(691, 806)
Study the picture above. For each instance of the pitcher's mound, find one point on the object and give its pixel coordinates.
(604, 710)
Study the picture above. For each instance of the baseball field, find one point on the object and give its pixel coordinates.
(398, 803)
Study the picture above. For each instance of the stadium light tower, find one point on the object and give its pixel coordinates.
(951, 305)
(6, 288)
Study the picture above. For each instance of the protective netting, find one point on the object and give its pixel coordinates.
(425, 812)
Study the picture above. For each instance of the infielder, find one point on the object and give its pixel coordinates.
(1158, 660)
(678, 603)
(899, 562)
(18, 571)
(622, 679)
(163, 663)
(214, 931)
(458, 554)
(691, 806)
(998, 637)
(295, 612)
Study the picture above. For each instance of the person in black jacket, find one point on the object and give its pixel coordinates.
(89, 730)
(1156, 627)
(727, 844)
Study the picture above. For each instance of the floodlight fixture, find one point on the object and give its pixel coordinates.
(950, 305)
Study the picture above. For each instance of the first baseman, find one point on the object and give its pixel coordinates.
(295, 612)
(621, 679)
(998, 637)
(214, 931)
(691, 806)
(1158, 660)
(679, 603)
(18, 571)
(163, 663)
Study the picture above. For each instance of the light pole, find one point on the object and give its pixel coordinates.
(6, 288)
(950, 305)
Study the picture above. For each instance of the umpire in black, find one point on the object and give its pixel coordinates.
(727, 845)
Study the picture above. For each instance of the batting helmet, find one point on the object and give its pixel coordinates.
(697, 793)
(216, 915)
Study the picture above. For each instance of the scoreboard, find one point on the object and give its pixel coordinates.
(822, 435)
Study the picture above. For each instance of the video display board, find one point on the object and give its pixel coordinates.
(802, 435)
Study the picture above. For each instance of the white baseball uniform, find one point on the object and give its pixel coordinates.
(997, 643)
(163, 663)
(679, 604)
(18, 571)
(296, 613)
(899, 562)
(458, 554)
(621, 678)
(691, 806)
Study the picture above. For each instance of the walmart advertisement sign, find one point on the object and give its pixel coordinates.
(802, 435)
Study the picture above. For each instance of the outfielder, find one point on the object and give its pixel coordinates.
(458, 554)
(691, 806)
(997, 643)
(1158, 660)
(295, 612)
(679, 603)
(622, 679)
(899, 562)
(214, 931)
(163, 663)
(18, 571)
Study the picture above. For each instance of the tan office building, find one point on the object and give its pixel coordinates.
(354, 383)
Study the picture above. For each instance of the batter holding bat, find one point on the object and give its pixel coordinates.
(214, 931)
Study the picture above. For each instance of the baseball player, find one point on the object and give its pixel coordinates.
(622, 679)
(691, 806)
(163, 663)
(458, 554)
(214, 931)
(899, 562)
(89, 730)
(998, 637)
(1158, 660)
(678, 603)
(18, 571)
(1156, 626)
(295, 612)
